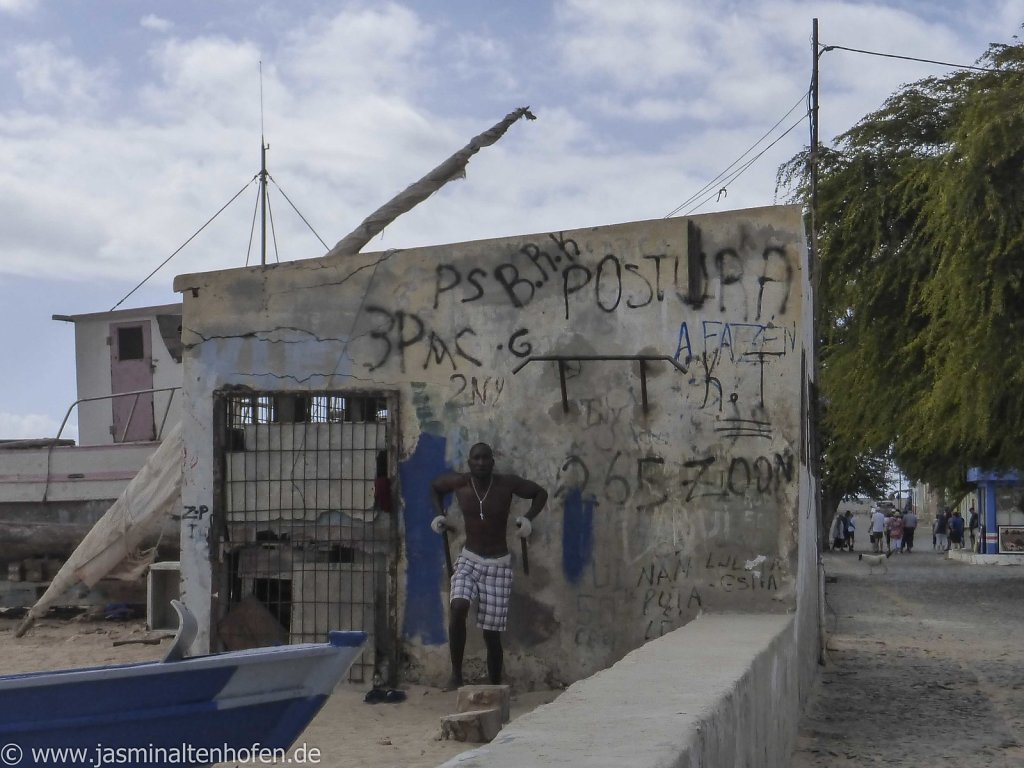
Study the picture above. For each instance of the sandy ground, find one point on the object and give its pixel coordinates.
(925, 665)
(348, 732)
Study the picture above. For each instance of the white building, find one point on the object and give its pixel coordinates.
(126, 351)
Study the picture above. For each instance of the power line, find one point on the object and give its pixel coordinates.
(178, 249)
(252, 226)
(750, 149)
(273, 231)
(262, 199)
(745, 165)
(803, 97)
(825, 48)
(299, 213)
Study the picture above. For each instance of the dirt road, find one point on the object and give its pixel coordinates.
(926, 666)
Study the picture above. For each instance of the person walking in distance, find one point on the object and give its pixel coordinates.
(955, 525)
(941, 532)
(909, 526)
(837, 532)
(972, 526)
(483, 571)
(876, 529)
(896, 530)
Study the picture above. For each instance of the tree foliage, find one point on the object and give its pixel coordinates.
(920, 218)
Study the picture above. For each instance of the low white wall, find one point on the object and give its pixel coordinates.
(973, 558)
(721, 691)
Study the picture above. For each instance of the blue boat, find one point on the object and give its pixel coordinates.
(239, 706)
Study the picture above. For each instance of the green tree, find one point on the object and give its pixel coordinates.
(920, 282)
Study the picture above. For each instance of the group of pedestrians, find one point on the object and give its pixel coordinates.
(897, 529)
(843, 531)
(948, 530)
(894, 531)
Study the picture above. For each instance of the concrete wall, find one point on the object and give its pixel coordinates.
(721, 691)
(799, 659)
(697, 503)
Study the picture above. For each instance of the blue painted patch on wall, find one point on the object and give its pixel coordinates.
(577, 534)
(424, 609)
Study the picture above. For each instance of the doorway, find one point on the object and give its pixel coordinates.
(131, 370)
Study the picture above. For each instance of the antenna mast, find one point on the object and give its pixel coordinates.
(263, 201)
(262, 173)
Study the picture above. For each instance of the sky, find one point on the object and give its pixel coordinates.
(126, 125)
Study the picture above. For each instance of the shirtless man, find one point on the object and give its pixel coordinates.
(483, 571)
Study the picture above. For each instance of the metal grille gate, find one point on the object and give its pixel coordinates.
(309, 539)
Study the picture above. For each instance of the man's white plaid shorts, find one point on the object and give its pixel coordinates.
(488, 582)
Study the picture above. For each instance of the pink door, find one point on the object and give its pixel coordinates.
(131, 369)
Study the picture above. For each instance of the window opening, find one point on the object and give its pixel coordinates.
(131, 343)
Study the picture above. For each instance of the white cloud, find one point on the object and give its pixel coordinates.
(215, 76)
(476, 56)
(19, 7)
(359, 50)
(640, 46)
(156, 23)
(26, 426)
(52, 80)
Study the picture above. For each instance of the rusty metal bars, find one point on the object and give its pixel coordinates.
(310, 549)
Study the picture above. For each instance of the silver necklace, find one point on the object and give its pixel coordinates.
(480, 498)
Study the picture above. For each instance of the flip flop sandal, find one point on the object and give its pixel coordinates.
(375, 696)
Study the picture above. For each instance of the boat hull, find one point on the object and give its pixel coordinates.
(194, 711)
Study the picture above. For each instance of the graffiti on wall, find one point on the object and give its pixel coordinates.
(192, 517)
(626, 494)
(466, 392)
(608, 282)
(758, 478)
(660, 592)
(612, 282)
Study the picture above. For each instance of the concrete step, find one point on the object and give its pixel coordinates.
(472, 697)
(478, 726)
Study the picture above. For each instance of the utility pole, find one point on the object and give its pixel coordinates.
(814, 279)
(814, 275)
(814, 417)
(813, 155)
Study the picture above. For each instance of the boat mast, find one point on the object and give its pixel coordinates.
(452, 168)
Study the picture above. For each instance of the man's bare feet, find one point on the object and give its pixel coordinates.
(454, 683)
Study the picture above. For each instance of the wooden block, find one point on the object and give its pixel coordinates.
(250, 624)
(478, 726)
(473, 697)
(34, 569)
(51, 566)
